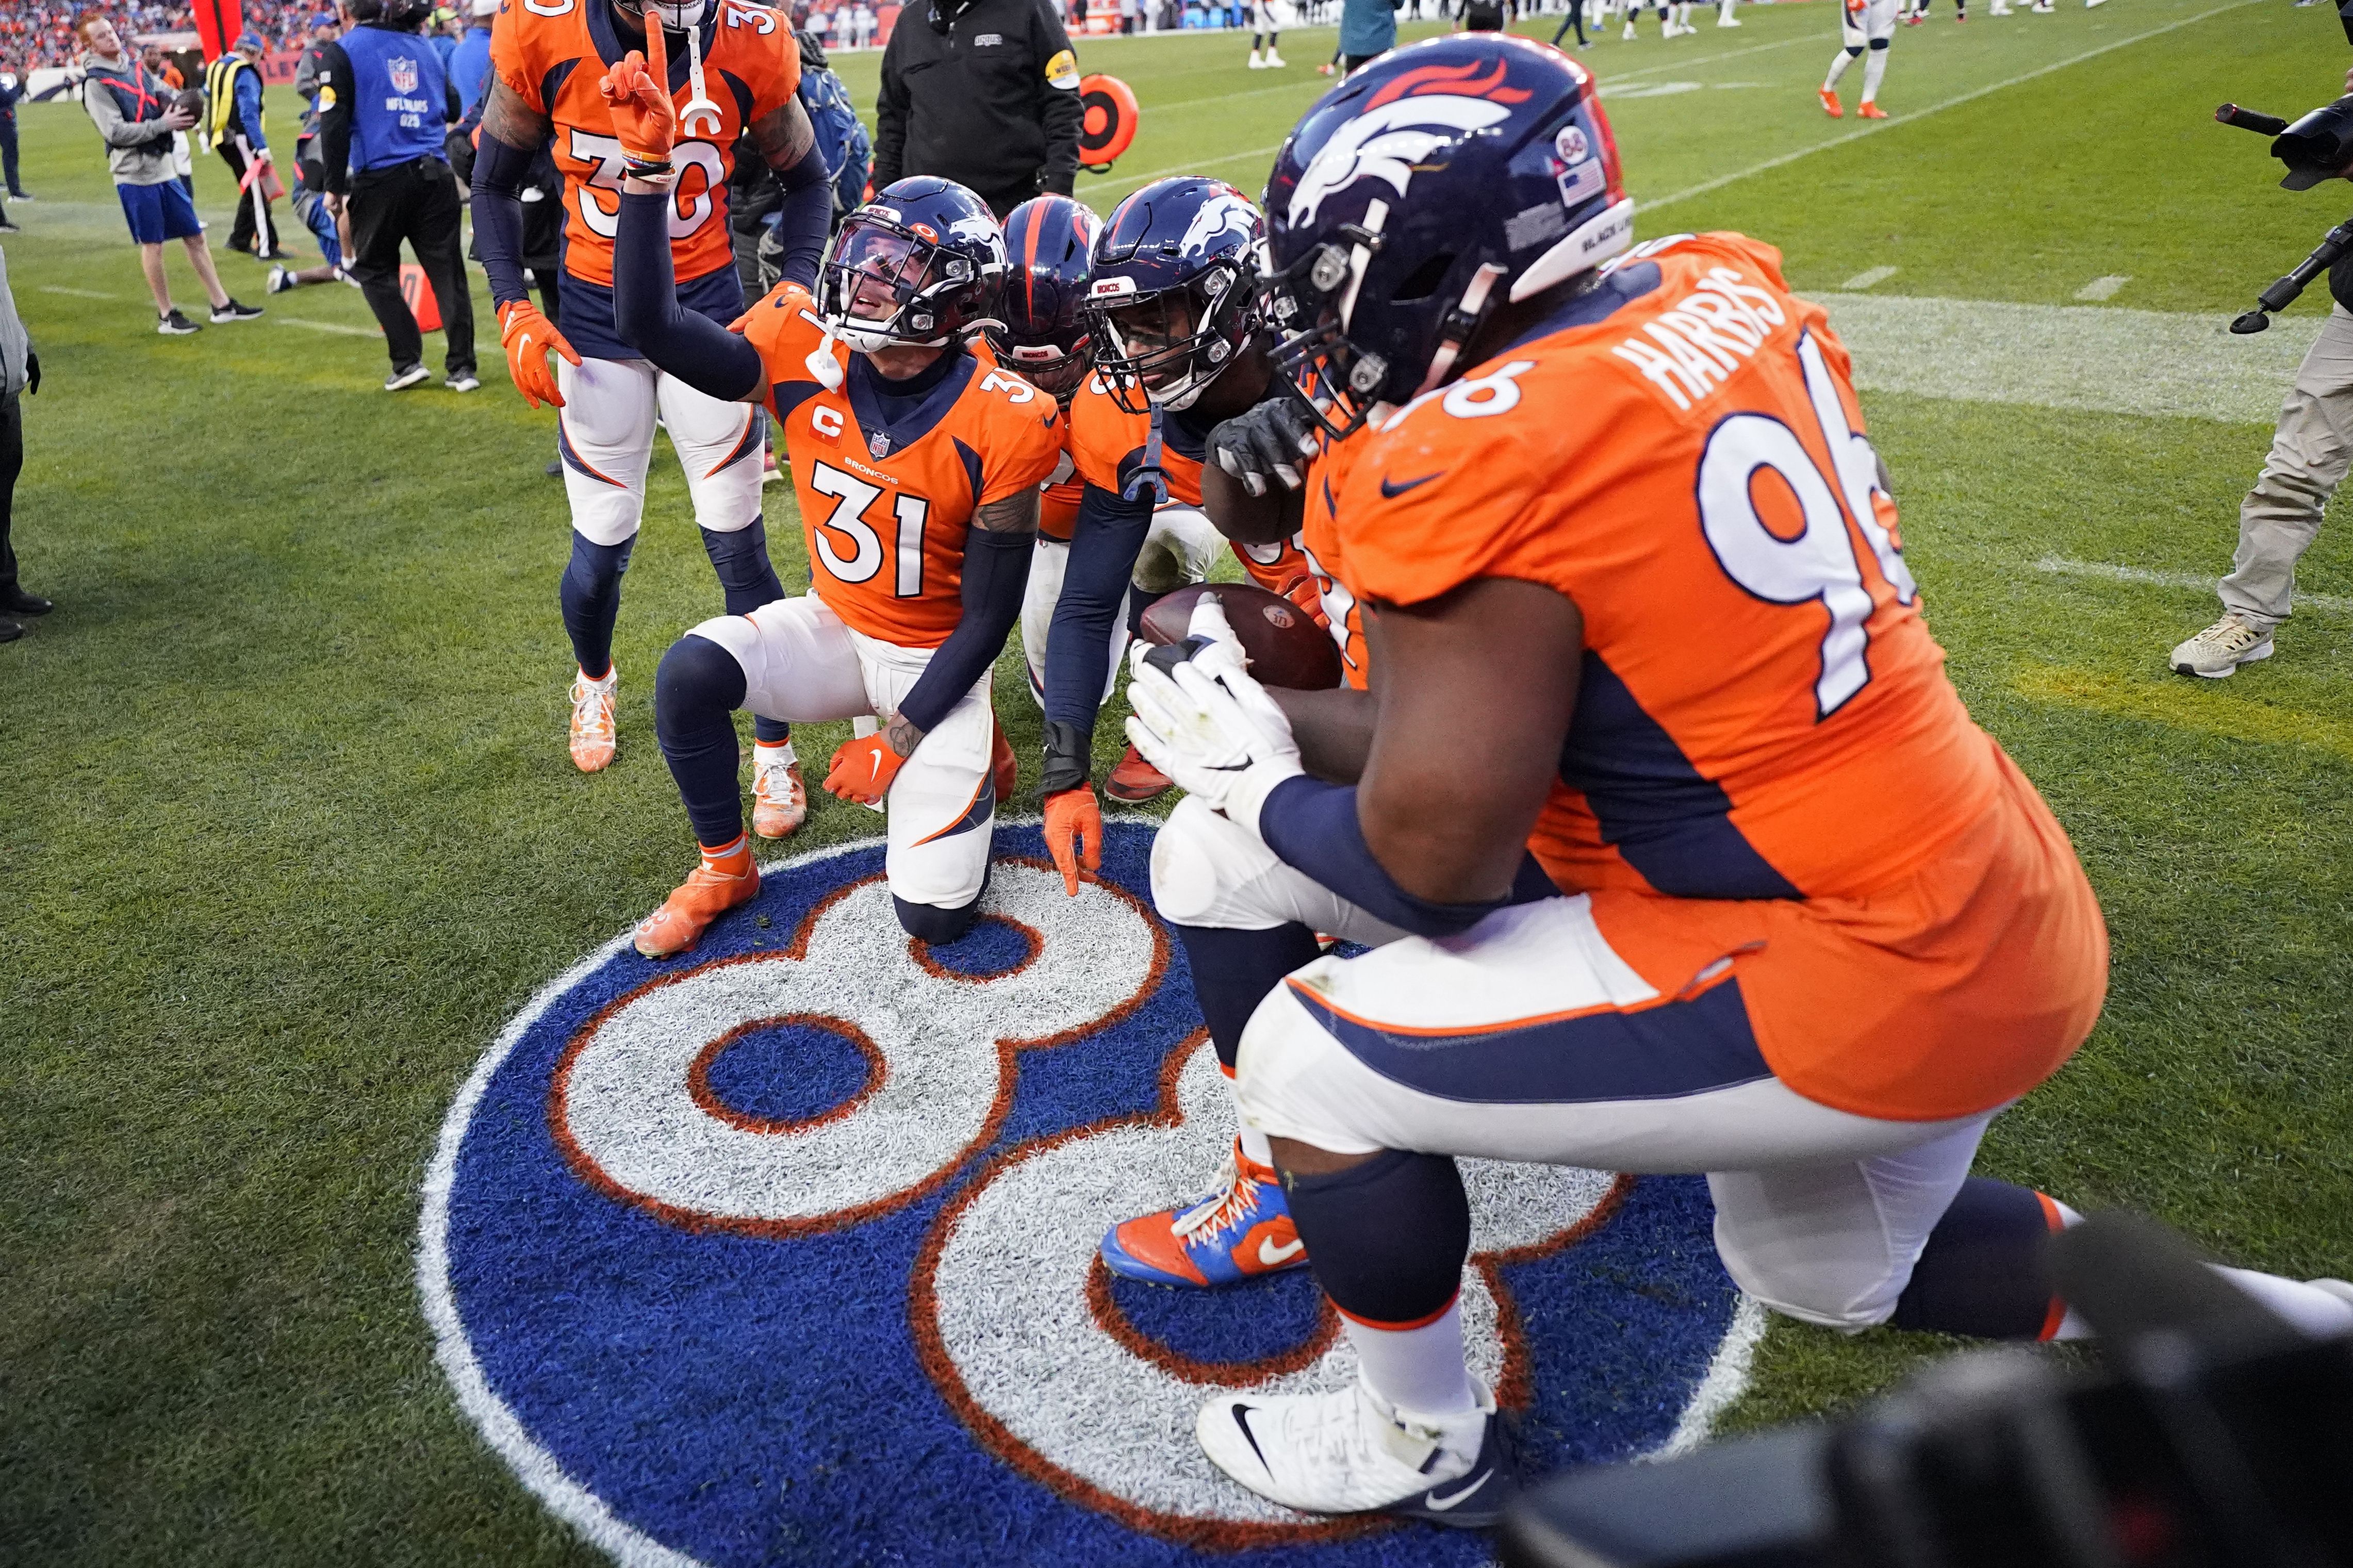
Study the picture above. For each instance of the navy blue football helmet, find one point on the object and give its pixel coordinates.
(1436, 183)
(1172, 302)
(920, 265)
(1047, 241)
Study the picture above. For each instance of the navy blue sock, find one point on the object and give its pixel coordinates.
(696, 693)
(592, 600)
(938, 926)
(1984, 1272)
(1233, 971)
(749, 581)
(1387, 1238)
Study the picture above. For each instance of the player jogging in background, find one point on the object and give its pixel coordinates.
(1862, 23)
(734, 67)
(1173, 328)
(1726, 880)
(917, 465)
(1266, 27)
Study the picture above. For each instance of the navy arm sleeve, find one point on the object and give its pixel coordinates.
(996, 571)
(649, 318)
(1104, 543)
(1313, 826)
(805, 219)
(500, 171)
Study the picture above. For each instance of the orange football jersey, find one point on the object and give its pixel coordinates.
(1059, 498)
(1110, 445)
(885, 500)
(552, 55)
(1763, 713)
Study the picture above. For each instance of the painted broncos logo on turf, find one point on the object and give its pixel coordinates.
(788, 1252)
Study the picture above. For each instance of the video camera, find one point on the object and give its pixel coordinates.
(2221, 1438)
(2316, 146)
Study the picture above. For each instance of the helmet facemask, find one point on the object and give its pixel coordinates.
(1052, 370)
(1163, 349)
(884, 286)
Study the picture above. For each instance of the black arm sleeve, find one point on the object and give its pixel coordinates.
(890, 117)
(996, 571)
(1104, 543)
(335, 120)
(1061, 114)
(805, 218)
(500, 171)
(649, 318)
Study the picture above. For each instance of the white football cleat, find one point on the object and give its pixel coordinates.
(1256, 64)
(2217, 652)
(1275, 62)
(593, 728)
(1351, 1451)
(779, 799)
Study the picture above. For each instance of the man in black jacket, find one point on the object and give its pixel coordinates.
(984, 92)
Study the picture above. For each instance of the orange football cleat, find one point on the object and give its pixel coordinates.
(1870, 110)
(1832, 106)
(593, 740)
(779, 799)
(1242, 1231)
(725, 878)
(1136, 781)
(1004, 767)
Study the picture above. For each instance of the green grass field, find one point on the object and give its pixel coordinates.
(288, 830)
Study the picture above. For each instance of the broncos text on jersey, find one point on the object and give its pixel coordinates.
(886, 502)
(551, 54)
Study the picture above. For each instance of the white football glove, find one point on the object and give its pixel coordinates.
(1203, 721)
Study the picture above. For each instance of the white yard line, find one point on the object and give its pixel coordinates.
(1892, 120)
(328, 327)
(2105, 288)
(77, 293)
(2059, 566)
(1870, 278)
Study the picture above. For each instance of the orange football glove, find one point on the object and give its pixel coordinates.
(1074, 835)
(638, 92)
(862, 770)
(1301, 590)
(527, 336)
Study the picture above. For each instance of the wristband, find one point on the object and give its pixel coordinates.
(639, 169)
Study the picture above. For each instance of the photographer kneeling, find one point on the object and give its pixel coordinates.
(2312, 448)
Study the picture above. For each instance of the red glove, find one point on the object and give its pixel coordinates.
(1074, 835)
(862, 769)
(1301, 589)
(638, 92)
(527, 336)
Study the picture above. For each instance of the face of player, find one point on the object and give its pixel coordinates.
(1151, 330)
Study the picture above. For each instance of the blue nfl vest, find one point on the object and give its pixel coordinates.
(398, 96)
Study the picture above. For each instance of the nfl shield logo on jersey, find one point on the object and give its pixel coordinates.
(877, 445)
(789, 1253)
(402, 73)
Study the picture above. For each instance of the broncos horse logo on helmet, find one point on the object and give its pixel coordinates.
(1047, 241)
(1437, 183)
(1171, 297)
(920, 264)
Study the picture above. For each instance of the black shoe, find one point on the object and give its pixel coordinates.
(175, 325)
(556, 469)
(17, 601)
(18, 197)
(233, 312)
(7, 227)
(10, 631)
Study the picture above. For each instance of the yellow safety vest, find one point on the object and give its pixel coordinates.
(220, 96)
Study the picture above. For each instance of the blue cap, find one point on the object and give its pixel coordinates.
(250, 39)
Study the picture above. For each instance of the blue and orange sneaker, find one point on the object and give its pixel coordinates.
(1243, 1232)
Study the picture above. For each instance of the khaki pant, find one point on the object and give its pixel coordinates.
(2311, 449)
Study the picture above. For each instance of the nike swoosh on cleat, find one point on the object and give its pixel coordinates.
(1274, 1257)
(1242, 1419)
(1437, 1504)
(1391, 492)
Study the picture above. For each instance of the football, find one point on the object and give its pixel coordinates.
(1285, 645)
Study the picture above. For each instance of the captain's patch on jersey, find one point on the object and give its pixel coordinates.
(786, 1251)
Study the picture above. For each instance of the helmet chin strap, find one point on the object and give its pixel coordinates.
(1465, 318)
(698, 105)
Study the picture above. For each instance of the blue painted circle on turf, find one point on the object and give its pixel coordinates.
(994, 946)
(744, 1399)
(789, 1071)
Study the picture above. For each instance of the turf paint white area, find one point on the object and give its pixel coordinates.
(1726, 1380)
(2099, 358)
(2103, 571)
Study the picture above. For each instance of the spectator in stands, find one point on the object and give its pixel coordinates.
(12, 92)
(233, 94)
(469, 67)
(137, 119)
(383, 107)
(984, 92)
(20, 374)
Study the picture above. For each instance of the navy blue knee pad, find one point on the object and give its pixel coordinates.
(696, 692)
(591, 596)
(1234, 971)
(1875, 42)
(1387, 1238)
(938, 926)
(748, 580)
(1984, 1272)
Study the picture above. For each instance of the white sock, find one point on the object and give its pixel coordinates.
(779, 752)
(1419, 1371)
(1839, 62)
(1255, 1148)
(2308, 1307)
(1874, 71)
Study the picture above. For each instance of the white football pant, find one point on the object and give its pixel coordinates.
(1820, 1214)
(803, 666)
(608, 427)
(1179, 548)
(1860, 21)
